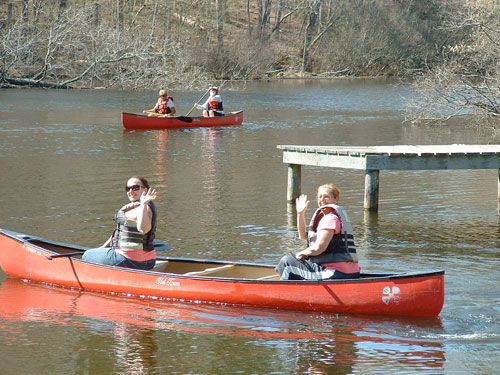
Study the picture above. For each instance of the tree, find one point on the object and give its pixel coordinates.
(315, 29)
(221, 9)
(468, 80)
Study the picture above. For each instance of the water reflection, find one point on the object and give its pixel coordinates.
(161, 158)
(222, 194)
(307, 343)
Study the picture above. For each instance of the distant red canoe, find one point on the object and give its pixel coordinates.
(233, 283)
(134, 121)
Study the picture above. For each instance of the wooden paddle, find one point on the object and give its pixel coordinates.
(181, 118)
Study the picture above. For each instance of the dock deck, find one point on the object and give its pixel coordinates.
(373, 159)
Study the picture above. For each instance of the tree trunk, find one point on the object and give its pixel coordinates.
(62, 7)
(169, 8)
(25, 14)
(120, 15)
(96, 14)
(308, 38)
(277, 22)
(9, 13)
(264, 17)
(249, 20)
(221, 8)
(153, 23)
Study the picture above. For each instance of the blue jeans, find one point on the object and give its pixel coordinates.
(109, 257)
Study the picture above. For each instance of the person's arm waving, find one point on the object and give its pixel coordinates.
(144, 213)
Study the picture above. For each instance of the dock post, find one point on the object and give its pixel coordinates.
(293, 187)
(371, 189)
(292, 192)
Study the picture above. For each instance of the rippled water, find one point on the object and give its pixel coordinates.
(64, 160)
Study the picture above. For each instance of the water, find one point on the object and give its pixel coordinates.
(64, 160)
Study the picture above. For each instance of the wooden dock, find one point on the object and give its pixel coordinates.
(373, 159)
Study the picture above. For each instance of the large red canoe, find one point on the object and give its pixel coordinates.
(235, 283)
(134, 121)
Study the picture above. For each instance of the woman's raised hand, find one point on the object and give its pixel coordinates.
(148, 195)
(301, 204)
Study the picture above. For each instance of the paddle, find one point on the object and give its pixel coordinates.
(198, 102)
(180, 118)
(50, 257)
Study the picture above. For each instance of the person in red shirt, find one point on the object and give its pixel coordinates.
(331, 252)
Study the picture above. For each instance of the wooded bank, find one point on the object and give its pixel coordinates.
(164, 43)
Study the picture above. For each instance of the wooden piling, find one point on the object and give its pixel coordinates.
(371, 189)
(294, 181)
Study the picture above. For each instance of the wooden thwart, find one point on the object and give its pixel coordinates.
(209, 271)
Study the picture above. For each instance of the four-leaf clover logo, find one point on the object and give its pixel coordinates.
(390, 293)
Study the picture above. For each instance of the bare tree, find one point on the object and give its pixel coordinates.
(96, 13)
(72, 52)
(468, 81)
(221, 9)
(264, 18)
(117, 43)
(62, 7)
(314, 31)
(8, 22)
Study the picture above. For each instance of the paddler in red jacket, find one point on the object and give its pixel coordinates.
(164, 106)
(213, 106)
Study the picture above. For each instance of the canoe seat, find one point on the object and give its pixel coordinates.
(159, 265)
(208, 271)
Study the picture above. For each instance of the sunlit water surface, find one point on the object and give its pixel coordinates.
(64, 160)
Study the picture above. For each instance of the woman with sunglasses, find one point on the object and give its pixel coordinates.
(331, 253)
(131, 244)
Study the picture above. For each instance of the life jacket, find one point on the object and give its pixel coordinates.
(162, 106)
(341, 247)
(127, 236)
(215, 103)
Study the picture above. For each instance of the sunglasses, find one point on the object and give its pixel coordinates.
(133, 188)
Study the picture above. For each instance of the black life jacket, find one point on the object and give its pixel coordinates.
(126, 234)
(341, 247)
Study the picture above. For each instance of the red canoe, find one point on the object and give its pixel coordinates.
(234, 283)
(133, 121)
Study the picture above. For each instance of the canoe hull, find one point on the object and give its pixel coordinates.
(131, 121)
(418, 295)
